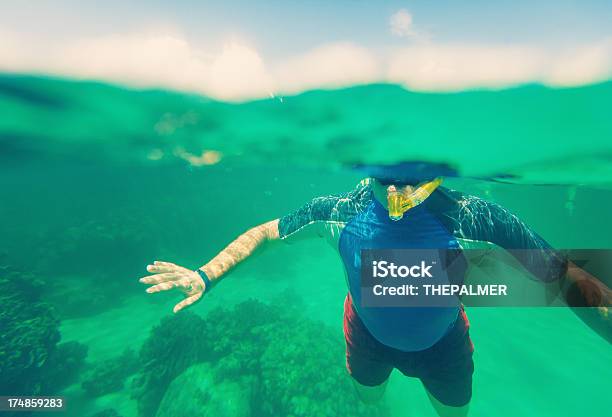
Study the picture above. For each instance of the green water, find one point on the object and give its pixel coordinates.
(99, 181)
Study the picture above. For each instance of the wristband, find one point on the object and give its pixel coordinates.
(208, 284)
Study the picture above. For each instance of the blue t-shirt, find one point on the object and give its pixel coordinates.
(356, 220)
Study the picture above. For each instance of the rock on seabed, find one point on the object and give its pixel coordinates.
(196, 393)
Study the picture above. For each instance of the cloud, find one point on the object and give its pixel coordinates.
(458, 66)
(136, 59)
(235, 70)
(582, 65)
(238, 71)
(453, 67)
(333, 65)
(400, 23)
(13, 55)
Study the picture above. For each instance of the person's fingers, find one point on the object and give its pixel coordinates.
(159, 266)
(155, 269)
(159, 278)
(187, 302)
(164, 286)
(162, 263)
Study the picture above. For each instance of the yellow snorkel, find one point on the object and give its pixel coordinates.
(399, 203)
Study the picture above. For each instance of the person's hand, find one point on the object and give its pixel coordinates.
(584, 290)
(587, 291)
(593, 293)
(167, 276)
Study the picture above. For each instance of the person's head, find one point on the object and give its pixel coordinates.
(405, 173)
(404, 185)
(398, 182)
(383, 185)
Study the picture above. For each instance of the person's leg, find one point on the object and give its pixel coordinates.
(447, 410)
(446, 370)
(366, 359)
(370, 395)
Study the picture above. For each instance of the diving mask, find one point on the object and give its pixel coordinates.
(399, 203)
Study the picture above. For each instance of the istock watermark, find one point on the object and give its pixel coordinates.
(383, 269)
(474, 277)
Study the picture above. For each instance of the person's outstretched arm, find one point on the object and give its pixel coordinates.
(240, 249)
(313, 220)
(588, 297)
(194, 284)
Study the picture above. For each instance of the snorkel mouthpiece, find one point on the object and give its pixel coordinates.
(399, 203)
(394, 202)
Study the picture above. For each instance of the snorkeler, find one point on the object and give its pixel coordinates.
(394, 210)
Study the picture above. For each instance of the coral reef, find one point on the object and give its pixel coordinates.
(174, 345)
(29, 333)
(31, 361)
(63, 367)
(109, 375)
(305, 375)
(282, 362)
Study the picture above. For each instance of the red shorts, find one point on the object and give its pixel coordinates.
(445, 369)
